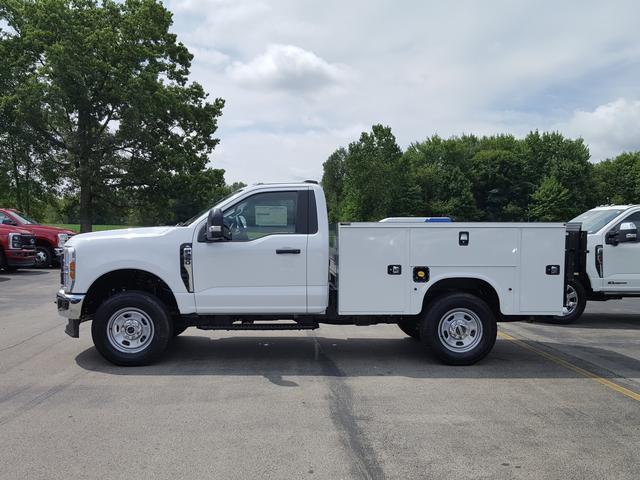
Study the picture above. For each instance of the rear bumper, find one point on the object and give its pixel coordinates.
(20, 258)
(70, 307)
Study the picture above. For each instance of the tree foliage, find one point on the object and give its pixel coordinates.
(104, 85)
(543, 177)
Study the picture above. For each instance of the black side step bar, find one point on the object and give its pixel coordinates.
(261, 326)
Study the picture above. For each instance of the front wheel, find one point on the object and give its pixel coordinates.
(131, 328)
(44, 257)
(460, 329)
(576, 301)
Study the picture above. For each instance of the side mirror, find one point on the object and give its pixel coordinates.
(8, 221)
(611, 238)
(628, 232)
(216, 230)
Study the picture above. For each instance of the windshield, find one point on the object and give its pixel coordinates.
(24, 218)
(199, 214)
(594, 220)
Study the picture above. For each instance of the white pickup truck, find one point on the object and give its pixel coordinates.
(613, 259)
(260, 260)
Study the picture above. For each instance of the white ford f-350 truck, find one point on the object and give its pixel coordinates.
(260, 260)
(613, 259)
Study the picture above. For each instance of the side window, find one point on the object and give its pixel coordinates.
(263, 214)
(634, 217)
(3, 217)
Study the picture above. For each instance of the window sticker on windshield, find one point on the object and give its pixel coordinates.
(271, 215)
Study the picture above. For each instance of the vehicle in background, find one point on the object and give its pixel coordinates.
(17, 248)
(613, 259)
(49, 240)
(260, 260)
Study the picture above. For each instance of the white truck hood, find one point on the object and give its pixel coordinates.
(124, 234)
(154, 250)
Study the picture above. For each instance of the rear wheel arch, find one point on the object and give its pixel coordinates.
(471, 285)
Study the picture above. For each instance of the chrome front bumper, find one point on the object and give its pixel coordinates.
(70, 306)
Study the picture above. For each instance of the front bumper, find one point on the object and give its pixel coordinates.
(70, 306)
(20, 258)
(58, 251)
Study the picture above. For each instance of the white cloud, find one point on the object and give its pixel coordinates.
(287, 67)
(609, 129)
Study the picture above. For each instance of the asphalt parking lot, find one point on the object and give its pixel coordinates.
(339, 402)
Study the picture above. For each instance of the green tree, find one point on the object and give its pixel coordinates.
(501, 190)
(617, 179)
(332, 182)
(566, 160)
(374, 177)
(105, 85)
(551, 201)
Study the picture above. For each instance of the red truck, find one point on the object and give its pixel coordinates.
(17, 248)
(49, 240)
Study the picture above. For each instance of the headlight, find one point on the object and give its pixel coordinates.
(68, 269)
(62, 239)
(15, 241)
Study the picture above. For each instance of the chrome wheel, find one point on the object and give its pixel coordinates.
(42, 257)
(460, 330)
(130, 330)
(571, 300)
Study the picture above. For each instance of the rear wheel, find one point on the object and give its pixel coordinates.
(131, 328)
(178, 329)
(576, 301)
(412, 329)
(459, 328)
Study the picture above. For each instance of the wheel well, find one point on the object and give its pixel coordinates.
(127, 279)
(586, 283)
(474, 286)
(43, 243)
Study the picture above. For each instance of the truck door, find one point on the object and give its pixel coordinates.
(263, 268)
(622, 261)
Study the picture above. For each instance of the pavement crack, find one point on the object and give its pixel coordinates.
(364, 461)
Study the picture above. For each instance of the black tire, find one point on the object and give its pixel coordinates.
(411, 328)
(178, 329)
(150, 316)
(44, 256)
(573, 288)
(468, 317)
(3, 260)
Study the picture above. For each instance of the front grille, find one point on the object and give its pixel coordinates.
(28, 241)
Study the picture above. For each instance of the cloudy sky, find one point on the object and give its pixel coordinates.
(302, 78)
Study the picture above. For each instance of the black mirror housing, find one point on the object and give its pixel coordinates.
(215, 229)
(628, 232)
(611, 238)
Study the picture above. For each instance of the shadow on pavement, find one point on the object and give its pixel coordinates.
(278, 357)
(25, 273)
(603, 321)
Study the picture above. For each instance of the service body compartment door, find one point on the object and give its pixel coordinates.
(373, 271)
(542, 270)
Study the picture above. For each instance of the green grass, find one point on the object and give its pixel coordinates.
(96, 228)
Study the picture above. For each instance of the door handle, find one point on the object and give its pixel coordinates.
(289, 251)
